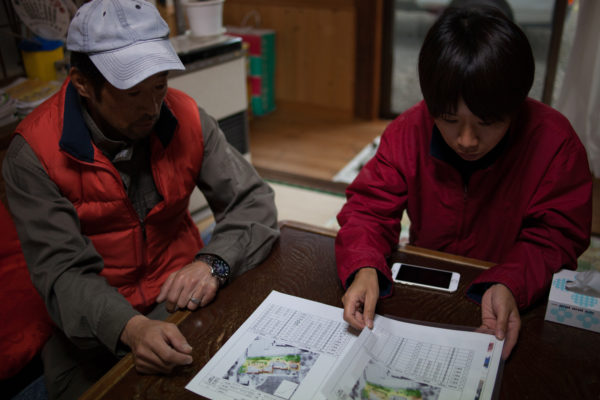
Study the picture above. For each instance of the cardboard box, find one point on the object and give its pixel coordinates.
(572, 308)
(261, 68)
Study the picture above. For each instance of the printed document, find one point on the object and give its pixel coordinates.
(292, 348)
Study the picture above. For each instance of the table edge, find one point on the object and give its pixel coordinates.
(409, 249)
(439, 255)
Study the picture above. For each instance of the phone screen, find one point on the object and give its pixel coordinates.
(424, 276)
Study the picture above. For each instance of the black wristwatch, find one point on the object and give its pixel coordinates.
(218, 267)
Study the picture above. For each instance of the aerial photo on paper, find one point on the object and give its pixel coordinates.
(271, 367)
(380, 383)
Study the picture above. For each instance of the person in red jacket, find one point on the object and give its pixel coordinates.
(98, 181)
(482, 171)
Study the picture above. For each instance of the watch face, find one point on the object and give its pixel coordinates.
(220, 268)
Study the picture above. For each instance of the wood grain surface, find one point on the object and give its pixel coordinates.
(314, 46)
(551, 361)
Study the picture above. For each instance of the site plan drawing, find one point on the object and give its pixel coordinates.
(292, 348)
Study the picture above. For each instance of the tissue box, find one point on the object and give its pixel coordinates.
(571, 308)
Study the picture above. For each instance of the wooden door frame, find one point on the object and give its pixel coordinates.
(558, 21)
(369, 39)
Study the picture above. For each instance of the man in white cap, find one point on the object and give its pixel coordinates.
(98, 180)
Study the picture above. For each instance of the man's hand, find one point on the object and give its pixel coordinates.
(194, 281)
(499, 312)
(157, 346)
(361, 298)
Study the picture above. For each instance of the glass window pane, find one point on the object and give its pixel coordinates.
(412, 19)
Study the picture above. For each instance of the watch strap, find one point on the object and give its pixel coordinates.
(218, 267)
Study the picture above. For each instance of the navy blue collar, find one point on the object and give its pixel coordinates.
(440, 150)
(76, 138)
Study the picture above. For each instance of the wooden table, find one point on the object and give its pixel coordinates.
(550, 361)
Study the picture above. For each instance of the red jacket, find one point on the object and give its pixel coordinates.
(529, 211)
(138, 257)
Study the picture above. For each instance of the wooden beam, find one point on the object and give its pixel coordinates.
(369, 34)
(558, 22)
(387, 61)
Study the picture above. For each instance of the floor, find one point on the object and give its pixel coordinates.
(295, 203)
(307, 144)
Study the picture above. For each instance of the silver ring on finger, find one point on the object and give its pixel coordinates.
(195, 300)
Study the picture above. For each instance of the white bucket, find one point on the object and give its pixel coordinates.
(205, 17)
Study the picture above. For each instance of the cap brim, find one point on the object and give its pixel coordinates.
(126, 67)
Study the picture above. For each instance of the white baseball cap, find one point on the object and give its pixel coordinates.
(127, 40)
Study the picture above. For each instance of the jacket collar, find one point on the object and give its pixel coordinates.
(76, 139)
(440, 150)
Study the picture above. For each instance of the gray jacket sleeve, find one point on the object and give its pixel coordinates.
(63, 264)
(242, 203)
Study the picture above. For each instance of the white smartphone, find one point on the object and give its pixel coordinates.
(430, 278)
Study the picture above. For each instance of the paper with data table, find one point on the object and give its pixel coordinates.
(292, 348)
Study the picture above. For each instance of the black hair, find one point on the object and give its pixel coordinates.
(501, 5)
(479, 55)
(82, 62)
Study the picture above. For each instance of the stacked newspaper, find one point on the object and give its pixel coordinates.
(8, 109)
(26, 94)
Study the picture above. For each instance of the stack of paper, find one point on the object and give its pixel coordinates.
(8, 110)
(30, 93)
